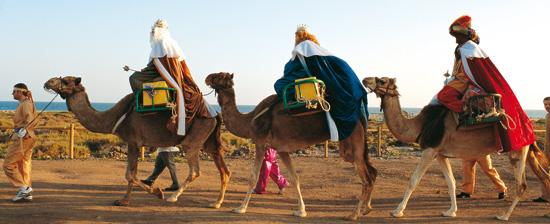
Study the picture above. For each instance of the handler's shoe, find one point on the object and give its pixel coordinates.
(282, 190)
(172, 188)
(147, 182)
(501, 195)
(24, 195)
(463, 195)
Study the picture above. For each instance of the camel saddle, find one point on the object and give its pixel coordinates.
(154, 97)
(481, 111)
(308, 99)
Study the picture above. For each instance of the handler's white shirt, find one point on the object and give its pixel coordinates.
(168, 149)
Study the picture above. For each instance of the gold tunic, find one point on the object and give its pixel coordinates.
(24, 114)
(460, 81)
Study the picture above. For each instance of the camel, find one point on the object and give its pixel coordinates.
(464, 144)
(145, 130)
(268, 126)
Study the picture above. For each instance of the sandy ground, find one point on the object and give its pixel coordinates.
(83, 192)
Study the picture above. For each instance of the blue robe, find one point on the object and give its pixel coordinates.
(344, 91)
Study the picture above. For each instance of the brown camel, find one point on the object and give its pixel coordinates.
(145, 130)
(268, 126)
(464, 144)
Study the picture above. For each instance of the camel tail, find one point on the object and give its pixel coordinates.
(371, 171)
(214, 142)
(540, 165)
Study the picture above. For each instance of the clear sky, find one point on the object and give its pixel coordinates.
(408, 40)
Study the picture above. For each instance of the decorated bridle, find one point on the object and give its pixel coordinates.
(218, 89)
(380, 91)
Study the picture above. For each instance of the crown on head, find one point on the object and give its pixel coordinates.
(160, 23)
(303, 28)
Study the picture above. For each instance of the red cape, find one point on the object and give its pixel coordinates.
(487, 76)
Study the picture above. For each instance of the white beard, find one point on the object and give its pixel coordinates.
(162, 44)
(158, 34)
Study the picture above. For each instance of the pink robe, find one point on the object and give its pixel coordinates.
(270, 168)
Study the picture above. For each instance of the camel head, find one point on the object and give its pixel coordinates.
(64, 86)
(220, 81)
(381, 86)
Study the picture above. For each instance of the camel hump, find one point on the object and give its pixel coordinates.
(433, 126)
(262, 115)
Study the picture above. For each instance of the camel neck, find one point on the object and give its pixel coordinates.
(235, 122)
(404, 129)
(100, 122)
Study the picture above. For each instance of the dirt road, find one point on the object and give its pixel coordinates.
(83, 192)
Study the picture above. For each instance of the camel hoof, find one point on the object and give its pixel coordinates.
(352, 218)
(502, 217)
(122, 202)
(159, 193)
(172, 199)
(301, 214)
(239, 210)
(216, 205)
(396, 214)
(367, 211)
(449, 214)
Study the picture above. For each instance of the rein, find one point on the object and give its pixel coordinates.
(40, 113)
(209, 92)
(47, 105)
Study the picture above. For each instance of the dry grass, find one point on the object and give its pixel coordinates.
(54, 144)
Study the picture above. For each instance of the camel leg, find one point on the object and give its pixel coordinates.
(285, 157)
(192, 143)
(131, 173)
(255, 173)
(517, 158)
(366, 172)
(451, 184)
(536, 160)
(194, 173)
(427, 157)
(372, 172)
(225, 175)
(361, 171)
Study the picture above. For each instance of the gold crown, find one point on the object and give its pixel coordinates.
(303, 28)
(160, 23)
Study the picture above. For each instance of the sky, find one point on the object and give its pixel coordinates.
(407, 40)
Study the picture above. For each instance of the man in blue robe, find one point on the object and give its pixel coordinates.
(344, 92)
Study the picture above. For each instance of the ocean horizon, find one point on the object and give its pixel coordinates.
(62, 107)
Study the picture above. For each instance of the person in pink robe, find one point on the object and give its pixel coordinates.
(270, 168)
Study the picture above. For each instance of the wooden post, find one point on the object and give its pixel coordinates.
(326, 149)
(71, 140)
(379, 146)
(142, 153)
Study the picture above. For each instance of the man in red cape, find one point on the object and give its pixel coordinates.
(474, 69)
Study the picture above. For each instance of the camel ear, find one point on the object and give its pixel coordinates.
(77, 81)
(231, 76)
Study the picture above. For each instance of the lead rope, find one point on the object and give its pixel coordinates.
(312, 104)
(508, 119)
(173, 107)
(47, 105)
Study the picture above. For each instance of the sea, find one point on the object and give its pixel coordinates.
(62, 106)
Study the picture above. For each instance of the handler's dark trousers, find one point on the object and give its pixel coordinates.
(165, 159)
